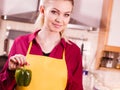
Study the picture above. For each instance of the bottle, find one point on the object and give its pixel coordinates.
(88, 80)
(118, 62)
(85, 79)
(109, 64)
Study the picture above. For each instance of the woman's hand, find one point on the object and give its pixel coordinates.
(17, 61)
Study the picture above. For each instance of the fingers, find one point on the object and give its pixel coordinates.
(17, 61)
(11, 66)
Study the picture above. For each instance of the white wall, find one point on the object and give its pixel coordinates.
(1, 6)
(114, 34)
(17, 6)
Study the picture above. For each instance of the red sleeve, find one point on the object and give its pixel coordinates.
(77, 75)
(7, 80)
(20, 46)
(74, 63)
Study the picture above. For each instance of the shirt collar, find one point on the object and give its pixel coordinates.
(33, 35)
(63, 42)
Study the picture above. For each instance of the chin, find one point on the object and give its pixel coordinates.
(56, 29)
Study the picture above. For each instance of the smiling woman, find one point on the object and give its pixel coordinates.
(55, 63)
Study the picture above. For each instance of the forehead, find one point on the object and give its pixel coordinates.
(62, 5)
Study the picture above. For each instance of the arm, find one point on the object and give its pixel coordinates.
(7, 80)
(78, 73)
(75, 69)
(15, 60)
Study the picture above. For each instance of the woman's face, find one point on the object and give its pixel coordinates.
(57, 15)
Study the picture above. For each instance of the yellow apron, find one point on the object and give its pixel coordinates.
(47, 73)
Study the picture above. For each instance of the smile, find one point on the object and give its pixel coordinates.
(57, 25)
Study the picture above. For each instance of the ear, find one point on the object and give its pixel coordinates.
(42, 9)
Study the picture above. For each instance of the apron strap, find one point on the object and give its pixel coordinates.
(29, 48)
(64, 54)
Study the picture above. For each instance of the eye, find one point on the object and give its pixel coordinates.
(54, 12)
(67, 15)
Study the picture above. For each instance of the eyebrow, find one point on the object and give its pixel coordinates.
(59, 10)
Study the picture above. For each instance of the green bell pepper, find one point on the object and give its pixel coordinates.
(23, 77)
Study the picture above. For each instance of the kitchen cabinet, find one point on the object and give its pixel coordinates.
(109, 42)
(110, 58)
(113, 42)
(114, 33)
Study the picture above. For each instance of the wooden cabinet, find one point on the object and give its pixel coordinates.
(110, 58)
(107, 38)
(114, 33)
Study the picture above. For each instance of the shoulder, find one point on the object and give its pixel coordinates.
(72, 45)
(22, 38)
(72, 49)
(20, 45)
(28, 37)
(69, 44)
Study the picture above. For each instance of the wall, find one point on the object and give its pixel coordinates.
(17, 6)
(89, 40)
(114, 36)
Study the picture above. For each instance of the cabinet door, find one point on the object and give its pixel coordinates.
(114, 32)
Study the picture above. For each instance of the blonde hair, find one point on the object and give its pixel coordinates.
(44, 2)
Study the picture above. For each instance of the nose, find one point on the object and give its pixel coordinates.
(59, 19)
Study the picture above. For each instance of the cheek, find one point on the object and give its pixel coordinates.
(66, 21)
(47, 19)
(50, 18)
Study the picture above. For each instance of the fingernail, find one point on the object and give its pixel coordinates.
(26, 63)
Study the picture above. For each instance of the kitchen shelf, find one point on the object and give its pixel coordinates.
(110, 58)
(109, 69)
(112, 48)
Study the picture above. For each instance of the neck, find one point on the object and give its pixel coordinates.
(48, 40)
(48, 35)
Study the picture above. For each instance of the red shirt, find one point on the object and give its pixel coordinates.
(72, 55)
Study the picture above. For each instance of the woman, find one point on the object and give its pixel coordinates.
(55, 62)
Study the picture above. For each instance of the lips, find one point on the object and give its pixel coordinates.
(57, 25)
